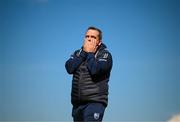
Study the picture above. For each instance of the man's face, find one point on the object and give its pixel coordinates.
(93, 35)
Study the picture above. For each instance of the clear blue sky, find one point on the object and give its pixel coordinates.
(38, 36)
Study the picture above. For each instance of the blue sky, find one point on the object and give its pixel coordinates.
(38, 36)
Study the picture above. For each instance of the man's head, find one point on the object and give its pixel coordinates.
(94, 33)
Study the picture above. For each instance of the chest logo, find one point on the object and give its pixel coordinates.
(96, 115)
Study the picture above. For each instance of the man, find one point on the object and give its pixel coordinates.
(91, 66)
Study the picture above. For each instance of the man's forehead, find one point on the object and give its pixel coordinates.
(91, 31)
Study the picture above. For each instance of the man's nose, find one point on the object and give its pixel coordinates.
(89, 39)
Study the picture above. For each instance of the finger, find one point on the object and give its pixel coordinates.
(94, 42)
(86, 41)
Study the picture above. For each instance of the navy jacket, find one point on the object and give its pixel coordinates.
(91, 72)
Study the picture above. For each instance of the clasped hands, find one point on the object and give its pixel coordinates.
(90, 45)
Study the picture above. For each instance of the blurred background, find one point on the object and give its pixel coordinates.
(38, 36)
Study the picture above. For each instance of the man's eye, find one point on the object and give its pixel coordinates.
(93, 37)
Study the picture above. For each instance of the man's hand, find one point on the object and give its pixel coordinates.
(90, 45)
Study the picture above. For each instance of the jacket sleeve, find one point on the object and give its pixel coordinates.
(75, 60)
(100, 65)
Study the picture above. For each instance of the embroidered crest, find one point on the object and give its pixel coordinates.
(96, 115)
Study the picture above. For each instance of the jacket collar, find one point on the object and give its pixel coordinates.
(101, 47)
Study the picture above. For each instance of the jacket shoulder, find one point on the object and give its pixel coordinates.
(104, 53)
(77, 52)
